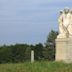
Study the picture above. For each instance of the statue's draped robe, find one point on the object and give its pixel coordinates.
(70, 26)
(65, 25)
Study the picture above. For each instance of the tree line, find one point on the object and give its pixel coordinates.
(22, 52)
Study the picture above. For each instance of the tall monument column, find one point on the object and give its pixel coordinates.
(64, 39)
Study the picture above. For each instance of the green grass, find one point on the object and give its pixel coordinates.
(43, 66)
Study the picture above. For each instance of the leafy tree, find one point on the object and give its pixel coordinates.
(28, 53)
(49, 50)
(22, 52)
(51, 38)
(18, 52)
(38, 51)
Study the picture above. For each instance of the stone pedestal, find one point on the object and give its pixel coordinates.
(64, 49)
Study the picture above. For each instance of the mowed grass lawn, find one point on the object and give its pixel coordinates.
(43, 66)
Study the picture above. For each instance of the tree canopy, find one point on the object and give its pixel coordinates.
(22, 52)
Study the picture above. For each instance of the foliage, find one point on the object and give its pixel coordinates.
(38, 51)
(51, 38)
(49, 51)
(22, 52)
(13, 53)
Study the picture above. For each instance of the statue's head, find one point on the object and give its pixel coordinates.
(66, 10)
(61, 12)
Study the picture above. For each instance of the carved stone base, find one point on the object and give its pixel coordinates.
(64, 49)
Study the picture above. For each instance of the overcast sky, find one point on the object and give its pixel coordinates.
(29, 21)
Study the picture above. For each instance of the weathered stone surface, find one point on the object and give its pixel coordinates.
(64, 49)
(32, 56)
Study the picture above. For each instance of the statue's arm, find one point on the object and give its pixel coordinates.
(60, 20)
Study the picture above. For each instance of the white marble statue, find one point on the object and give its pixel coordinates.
(65, 23)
